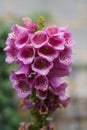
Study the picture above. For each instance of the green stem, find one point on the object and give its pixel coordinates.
(40, 23)
(38, 120)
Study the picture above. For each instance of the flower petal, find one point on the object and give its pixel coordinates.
(57, 41)
(52, 30)
(18, 29)
(59, 69)
(24, 69)
(41, 94)
(69, 42)
(41, 82)
(23, 89)
(39, 39)
(41, 66)
(11, 39)
(22, 39)
(60, 72)
(56, 82)
(64, 100)
(21, 74)
(48, 52)
(11, 52)
(26, 54)
(65, 56)
(58, 86)
(29, 24)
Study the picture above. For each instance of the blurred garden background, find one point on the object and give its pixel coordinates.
(60, 13)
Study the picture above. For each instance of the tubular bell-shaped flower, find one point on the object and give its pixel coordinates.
(26, 54)
(28, 23)
(21, 74)
(52, 30)
(23, 38)
(18, 29)
(11, 52)
(43, 109)
(41, 82)
(57, 41)
(48, 52)
(58, 85)
(41, 94)
(64, 100)
(11, 39)
(21, 84)
(23, 88)
(65, 56)
(39, 39)
(42, 66)
(69, 42)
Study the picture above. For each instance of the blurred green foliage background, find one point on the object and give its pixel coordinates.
(9, 115)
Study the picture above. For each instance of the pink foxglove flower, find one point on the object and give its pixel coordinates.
(17, 29)
(22, 39)
(21, 74)
(11, 52)
(11, 39)
(28, 23)
(52, 30)
(39, 39)
(42, 66)
(44, 56)
(48, 52)
(41, 82)
(23, 89)
(69, 42)
(57, 42)
(26, 54)
(41, 94)
(65, 56)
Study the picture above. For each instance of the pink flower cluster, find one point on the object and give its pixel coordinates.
(44, 57)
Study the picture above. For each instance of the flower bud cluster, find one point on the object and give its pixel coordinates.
(44, 57)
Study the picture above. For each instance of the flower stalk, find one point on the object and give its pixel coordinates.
(44, 56)
(41, 23)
